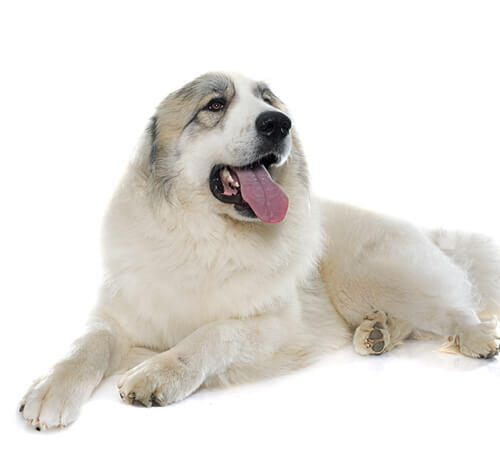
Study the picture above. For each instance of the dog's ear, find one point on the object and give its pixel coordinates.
(152, 137)
(153, 158)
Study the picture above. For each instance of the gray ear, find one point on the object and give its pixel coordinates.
(152, 131)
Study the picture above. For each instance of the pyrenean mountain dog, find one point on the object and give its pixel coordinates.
(221, 267)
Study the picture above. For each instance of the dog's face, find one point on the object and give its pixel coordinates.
(224, 137)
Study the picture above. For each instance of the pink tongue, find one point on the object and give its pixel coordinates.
(262, 194)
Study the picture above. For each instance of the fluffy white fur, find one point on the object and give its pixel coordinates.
(197, 295)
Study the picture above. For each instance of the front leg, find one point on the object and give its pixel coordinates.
(54, 400)
(210, 350)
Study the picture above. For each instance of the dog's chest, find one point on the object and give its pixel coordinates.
(165, 296)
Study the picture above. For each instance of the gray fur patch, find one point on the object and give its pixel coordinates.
(152, 131)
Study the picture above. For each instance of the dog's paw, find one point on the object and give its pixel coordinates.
(476, 341)
(161, 380)
(54, 400)
(372, 337)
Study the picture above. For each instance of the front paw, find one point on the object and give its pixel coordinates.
(163, 379)
(54, 400)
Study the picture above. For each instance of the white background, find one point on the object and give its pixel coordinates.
(397, 104)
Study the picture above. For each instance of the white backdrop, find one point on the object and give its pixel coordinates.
(397, 104)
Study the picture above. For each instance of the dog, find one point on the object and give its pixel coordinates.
(221, 267)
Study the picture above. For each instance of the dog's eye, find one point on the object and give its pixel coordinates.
(216, 105)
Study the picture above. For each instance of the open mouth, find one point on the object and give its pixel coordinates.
(251, 189)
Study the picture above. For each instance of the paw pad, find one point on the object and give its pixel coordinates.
(372, 336)
(375, 334)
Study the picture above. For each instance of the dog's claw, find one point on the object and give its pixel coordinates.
(491, 354)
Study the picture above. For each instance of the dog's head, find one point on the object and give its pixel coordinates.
(228, 140)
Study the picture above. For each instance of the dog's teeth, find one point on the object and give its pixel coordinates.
(227, 176)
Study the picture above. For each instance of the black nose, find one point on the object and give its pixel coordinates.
(273, 125)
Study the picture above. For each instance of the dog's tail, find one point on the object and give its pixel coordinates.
(479, 256)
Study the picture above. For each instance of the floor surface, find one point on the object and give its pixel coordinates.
(413, 409)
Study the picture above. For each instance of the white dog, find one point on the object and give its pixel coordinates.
(221, 267)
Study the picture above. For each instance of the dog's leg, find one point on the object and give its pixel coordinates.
(379, 333)
(465, 332)
(210, 350)
(54, 400)
(470, 336)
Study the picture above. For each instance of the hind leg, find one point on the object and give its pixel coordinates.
(379, 333)
(371, 261)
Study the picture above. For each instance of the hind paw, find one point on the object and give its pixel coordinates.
(372, 337)
(475, 341)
